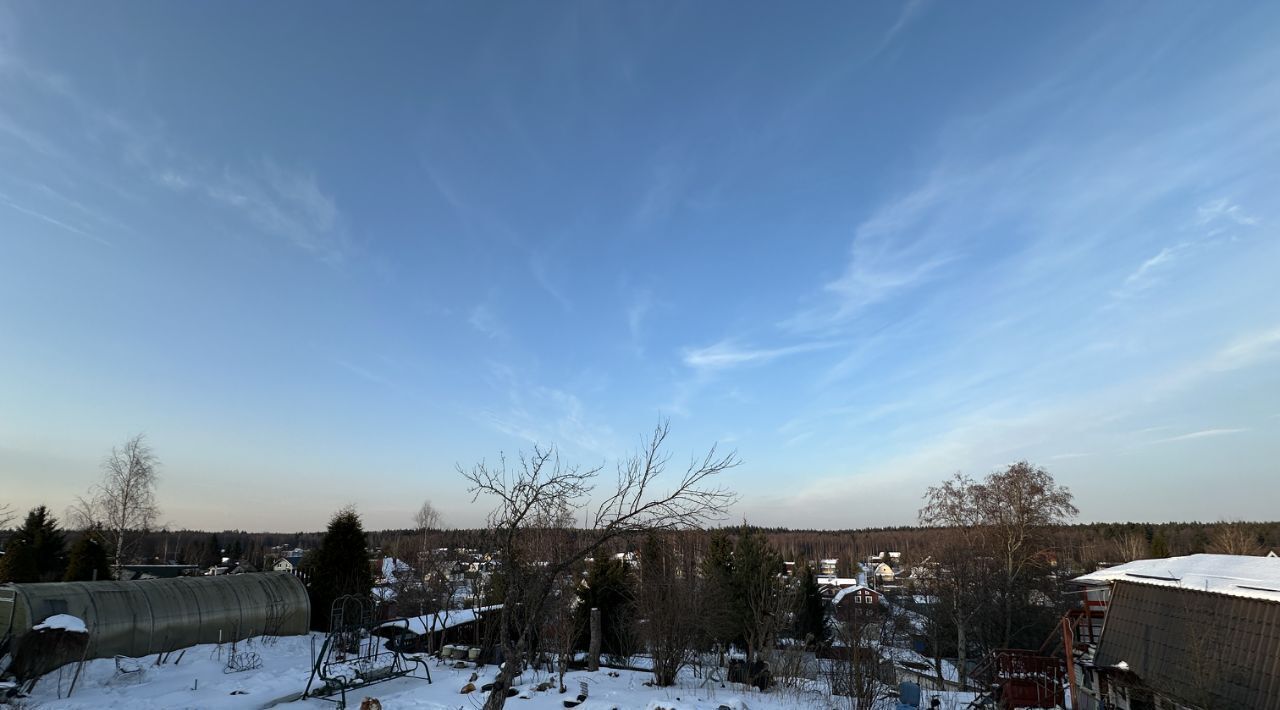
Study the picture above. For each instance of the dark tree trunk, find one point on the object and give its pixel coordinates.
(593, 650)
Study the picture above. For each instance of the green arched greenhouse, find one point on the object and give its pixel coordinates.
(139, 618)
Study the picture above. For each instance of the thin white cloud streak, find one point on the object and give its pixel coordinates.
(1143, 276)
(1223, 208)
(1202, 434)
(540, 266)
(4, 200)
(637, 311)
(363, 373)
(726, 355)
(911, 10)
(1247, 350)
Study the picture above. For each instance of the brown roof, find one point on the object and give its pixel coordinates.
(1202, 648)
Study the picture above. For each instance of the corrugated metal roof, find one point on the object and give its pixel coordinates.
(1204, 649)
(1237, 575)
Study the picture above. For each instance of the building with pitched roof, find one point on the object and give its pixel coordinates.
(1200, 631)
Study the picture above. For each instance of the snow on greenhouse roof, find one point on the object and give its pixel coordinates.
(66, 622)
(1234, 575)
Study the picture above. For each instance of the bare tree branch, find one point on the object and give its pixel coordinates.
(537, 500)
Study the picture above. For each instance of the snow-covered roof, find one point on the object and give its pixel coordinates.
(392, 567)
(838, 581)
(66, 622)
(430, 623)
(913, 659)
(850, 590)
(1234, 575)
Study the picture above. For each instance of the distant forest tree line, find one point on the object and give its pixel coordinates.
(1082, 546)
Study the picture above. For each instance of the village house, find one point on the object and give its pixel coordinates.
(882, 573)
(1180, 632)
(828, 587)
(857, 599)
(289, 563)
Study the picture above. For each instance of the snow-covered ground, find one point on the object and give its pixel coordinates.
(198, 681)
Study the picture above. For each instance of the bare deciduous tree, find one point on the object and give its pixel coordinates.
(668, 600)
(427, 518)
(431, 586)
(6, 515)
(1234, 538)
(952, 505)
(1004, 518)
(854, 672)
(539, 498)
(1132, 546)
(124, 500)
(561, 627)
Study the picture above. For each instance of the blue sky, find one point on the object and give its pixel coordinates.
(321, 253)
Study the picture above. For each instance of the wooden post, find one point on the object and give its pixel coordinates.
(1068, 651)
(593, 650)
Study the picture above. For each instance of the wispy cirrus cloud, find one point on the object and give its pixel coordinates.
(1246, 350)
(637, 311)
(1148, 272)
(545, 416)
(8, 202)
(362, 372)
(284, 203)
(896, 249)
(727, 355)
(1224, 209)
(1201, 434)
(541, 267)
(1152, 270)
(485, 321)
(911, 10)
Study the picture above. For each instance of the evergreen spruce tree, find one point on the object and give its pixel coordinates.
(36, 552)
(89, 561)
(212, 552)
(726, 615)
(810, 615)
(1159, 547)
(756, 569)
(341, 566)
(610, 589)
